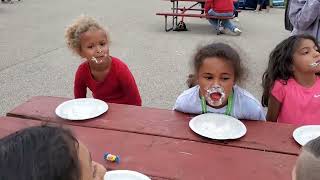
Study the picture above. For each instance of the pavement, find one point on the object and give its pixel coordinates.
(35, 61)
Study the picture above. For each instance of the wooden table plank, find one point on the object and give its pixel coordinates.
(7, 128)
(170, 158)
(265, 136)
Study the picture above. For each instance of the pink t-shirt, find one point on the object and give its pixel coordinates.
(299, 105)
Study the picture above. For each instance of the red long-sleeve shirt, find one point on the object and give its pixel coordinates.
(219, 6)
(118, 86)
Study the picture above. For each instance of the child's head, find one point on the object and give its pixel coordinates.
(88, 39)
(217, 67)
(292, 57)
(44, 152)
(308, 163)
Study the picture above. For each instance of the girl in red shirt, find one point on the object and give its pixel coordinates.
(224, 8)
(107, 77)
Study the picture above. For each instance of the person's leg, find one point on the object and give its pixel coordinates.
(202, 7)
(258, 8)
(218, 24)
(236, 7)
(268, 9)
(236, 14)
(228, 25)
(213, 22)
(267, 3)
(213, 13)
(259, 4)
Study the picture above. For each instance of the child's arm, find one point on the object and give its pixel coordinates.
(80, 88)
(273, 109)
(130, 87)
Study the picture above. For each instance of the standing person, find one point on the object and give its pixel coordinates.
(222, 8)
(106, 76)
(212, 86)
(46, 153)
(305, 17)
(291, 87)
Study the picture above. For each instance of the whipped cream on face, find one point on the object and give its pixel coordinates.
(215, 95)
(315, 64)
(94, 59)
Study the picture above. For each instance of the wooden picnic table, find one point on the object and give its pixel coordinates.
(175, 12)
(169, 158)
(160, 144)
(261, 135)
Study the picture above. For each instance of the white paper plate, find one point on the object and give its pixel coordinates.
(217, 126)
(305, 134)
(125, 175)
(81, 109)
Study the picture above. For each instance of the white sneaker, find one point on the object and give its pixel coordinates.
(237, 31)
(236, 19)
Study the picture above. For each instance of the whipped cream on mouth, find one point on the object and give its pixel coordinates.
(94, 59)
(215, 95)
(315, 64)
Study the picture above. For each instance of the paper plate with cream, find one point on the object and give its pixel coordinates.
(304, 134)
(81, 109)
(125, 175)
(217, 126)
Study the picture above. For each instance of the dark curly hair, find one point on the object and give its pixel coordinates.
(40, 153)
(280, 64)
(220, 50)
(308, 163)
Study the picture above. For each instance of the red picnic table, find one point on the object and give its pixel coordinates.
(160, 144)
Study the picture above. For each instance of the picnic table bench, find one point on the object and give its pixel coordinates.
(185, 13)
(160, 144)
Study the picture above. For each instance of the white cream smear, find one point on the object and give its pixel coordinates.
(215, 95)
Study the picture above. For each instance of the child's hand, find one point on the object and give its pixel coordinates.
(99, 171)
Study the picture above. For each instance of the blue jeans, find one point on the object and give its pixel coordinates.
(226, 23)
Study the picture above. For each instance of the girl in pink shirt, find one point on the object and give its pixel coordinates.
(291, 85)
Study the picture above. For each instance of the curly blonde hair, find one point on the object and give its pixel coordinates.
(79, 26)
